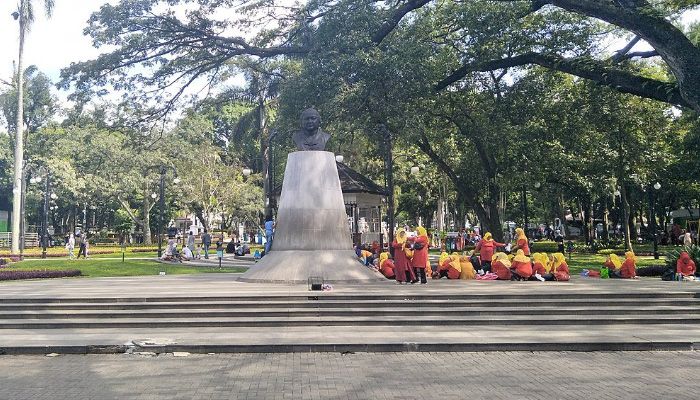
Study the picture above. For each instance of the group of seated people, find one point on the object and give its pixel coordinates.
(502, 267)
(486, 263)
(614, 267)
(509, 267)
(173, 254)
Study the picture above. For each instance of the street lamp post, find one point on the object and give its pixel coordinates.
(389, 182)
(652, 215)
(525, 216)
(45, 228)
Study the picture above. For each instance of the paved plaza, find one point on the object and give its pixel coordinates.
(326, 376)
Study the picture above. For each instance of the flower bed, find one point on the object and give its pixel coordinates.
(144, 249)
(62, 253)
(16, 275)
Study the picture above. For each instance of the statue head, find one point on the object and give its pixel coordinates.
(310, 120)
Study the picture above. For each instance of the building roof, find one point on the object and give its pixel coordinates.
(351, 181)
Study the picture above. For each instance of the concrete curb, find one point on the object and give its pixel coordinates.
(358, 347)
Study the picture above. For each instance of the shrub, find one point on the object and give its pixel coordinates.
(16, 275)
(543, 247)
(607, 252)
(674, 254)
(4, 261)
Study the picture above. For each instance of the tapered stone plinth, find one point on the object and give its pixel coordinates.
(311, 232)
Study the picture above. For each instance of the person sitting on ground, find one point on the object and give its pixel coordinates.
(500, 265)
(168, 254)
(443, 265)
(560, 268)
(685, 266)
(628, 269)
(231, 246)
(521, 242)
(486, 247)
(455, 268)
(474, 259)
(187, 254)
(386, 266)
(541, 266)
(366, 256)
(613, 262)
(468, 271)
(521, 266)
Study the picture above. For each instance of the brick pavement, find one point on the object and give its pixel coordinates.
(435, 376)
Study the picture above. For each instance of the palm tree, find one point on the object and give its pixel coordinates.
(25, 15)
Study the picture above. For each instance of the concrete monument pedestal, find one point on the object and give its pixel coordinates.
(311, 236)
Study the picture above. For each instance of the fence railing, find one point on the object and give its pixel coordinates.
(30, 239)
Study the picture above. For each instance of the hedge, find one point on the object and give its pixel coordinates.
(544, 247)
(16, 275)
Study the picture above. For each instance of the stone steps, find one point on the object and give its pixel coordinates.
(291, 312)
(322, 296)
(350, 321)
(325, 303)
(443, 316)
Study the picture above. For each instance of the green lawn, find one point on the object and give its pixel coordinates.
(595, 261)
(101, 267)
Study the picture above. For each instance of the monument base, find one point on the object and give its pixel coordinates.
(296, 266)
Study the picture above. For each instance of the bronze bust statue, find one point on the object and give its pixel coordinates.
(310, 136)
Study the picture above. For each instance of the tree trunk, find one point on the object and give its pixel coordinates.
(626, 217)
(561, 212)
(146, 222)
(19, 137)
(606, 220)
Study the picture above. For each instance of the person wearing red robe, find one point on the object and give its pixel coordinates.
(402, 264)
(386, 266)
(455, 268)
(501, 266)
(521, 266)
(486, 247)
(539, 264)
(420, 244)
(521, 242)
(628, 270)
(560, 268)
(685, 266)
(443, 265)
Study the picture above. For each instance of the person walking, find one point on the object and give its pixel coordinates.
(269, 233)
(206, 243)
(70, 246)
(190, 241)
(80, 241)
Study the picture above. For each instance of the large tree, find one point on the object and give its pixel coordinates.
(25, 15)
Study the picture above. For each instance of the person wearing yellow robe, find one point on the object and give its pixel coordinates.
(386, 265)
(521, 266)
(443, 265)
(468, 271)
(455, 269)
(500, 265)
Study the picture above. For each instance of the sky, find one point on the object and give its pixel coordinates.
(54, 43)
